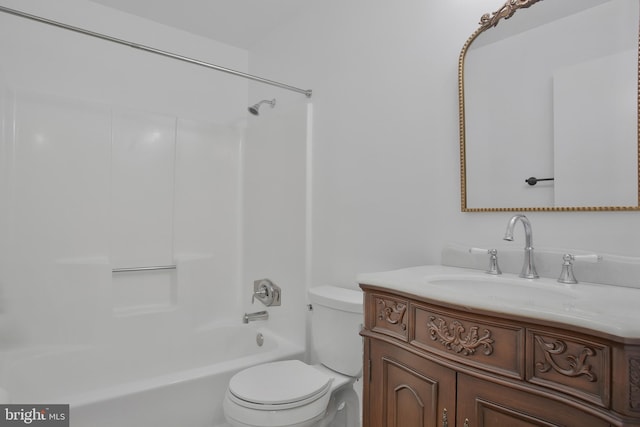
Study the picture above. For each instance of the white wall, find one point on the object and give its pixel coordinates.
(48, 59)
(385, 140)
(595, 131)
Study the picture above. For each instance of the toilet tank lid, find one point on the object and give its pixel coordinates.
(338, 298)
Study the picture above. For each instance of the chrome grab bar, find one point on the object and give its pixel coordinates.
(155, 267)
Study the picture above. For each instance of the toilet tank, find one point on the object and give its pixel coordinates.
(336, 321)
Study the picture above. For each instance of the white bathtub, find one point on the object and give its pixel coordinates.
(151, 383)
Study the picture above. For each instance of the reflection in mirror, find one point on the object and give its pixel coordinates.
(551, 93)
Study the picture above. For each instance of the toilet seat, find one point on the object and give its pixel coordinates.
(278, 385)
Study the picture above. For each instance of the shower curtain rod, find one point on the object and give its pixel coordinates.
(306, 92)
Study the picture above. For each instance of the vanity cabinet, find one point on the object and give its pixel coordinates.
(428, 363)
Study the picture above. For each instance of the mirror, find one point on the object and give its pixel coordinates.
(551, 93)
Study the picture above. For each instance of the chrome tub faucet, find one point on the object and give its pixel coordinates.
(528, 267)
(258, 315)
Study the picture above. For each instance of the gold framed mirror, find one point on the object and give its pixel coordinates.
(549, 105)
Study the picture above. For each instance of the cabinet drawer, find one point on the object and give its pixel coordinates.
(565, 363)
(475, 341)
(388, 315)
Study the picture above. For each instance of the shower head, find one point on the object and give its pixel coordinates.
(255, 107)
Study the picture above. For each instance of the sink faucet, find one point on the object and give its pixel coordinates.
(528, 268)
(258, 315)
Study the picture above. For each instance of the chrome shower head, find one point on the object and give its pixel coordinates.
(255, 107)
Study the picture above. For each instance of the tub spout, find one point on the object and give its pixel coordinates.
(258, 315)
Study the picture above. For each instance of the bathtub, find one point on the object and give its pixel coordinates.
(151, 383)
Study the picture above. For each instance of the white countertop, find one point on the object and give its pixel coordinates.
(613, 310)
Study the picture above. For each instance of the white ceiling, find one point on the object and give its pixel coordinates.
(240, 23)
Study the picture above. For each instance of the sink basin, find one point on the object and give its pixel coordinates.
(501, 286)
(477, 280)
(541, 295)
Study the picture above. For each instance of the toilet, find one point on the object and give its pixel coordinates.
(294, 394)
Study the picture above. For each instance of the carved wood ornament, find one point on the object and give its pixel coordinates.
(393, 312)
(451, 337)
(577, 364)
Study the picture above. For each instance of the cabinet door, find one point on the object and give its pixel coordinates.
(481, 403)
(407, 390)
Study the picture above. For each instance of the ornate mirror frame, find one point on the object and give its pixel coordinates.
(488, 21)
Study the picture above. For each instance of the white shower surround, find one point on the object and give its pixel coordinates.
(114, 158)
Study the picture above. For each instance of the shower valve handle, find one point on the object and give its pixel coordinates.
(260, 293)
(265, 291)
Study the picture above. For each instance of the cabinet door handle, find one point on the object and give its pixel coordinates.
(466, 422)
(445, 419)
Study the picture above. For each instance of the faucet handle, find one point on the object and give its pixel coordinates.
(260, 293)
(494, 268)
(267, 292)
(566, 275)
(587, 258)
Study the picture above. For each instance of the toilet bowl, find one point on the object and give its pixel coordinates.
(301, 398)
(291, 393)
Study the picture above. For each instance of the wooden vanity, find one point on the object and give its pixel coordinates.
(428, 362)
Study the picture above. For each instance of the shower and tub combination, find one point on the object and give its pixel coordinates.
(127, 342)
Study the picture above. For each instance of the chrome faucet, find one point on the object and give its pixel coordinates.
(258, 315)
(528, 268)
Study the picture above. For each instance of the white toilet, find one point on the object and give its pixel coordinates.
(293, 394)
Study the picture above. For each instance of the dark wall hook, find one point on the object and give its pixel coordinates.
(533, 180)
